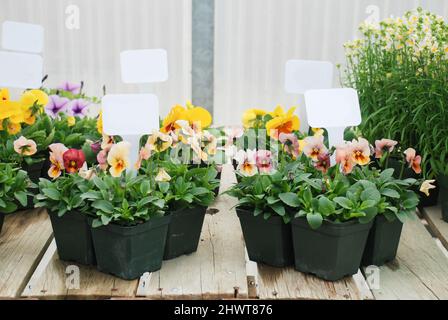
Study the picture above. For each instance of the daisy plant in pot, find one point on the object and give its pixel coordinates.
(14, 190)
(399, 68)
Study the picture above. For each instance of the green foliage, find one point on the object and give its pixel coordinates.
(126, 201)
(14, 188)
(190, 186)
(63, 195)
(400, 71)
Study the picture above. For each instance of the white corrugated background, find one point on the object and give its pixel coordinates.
(254, 39)
(108, 27)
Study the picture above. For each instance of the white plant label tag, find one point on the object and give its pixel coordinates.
(130, 116)
(20, 70)
(144, 66)
(304, 75)
(334, 110)
(23, 37)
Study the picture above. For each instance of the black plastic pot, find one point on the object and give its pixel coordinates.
(397, 166)
(382, 243)
(184, 232)
(73, 237)
(34, 171)
(443, 196)
(129, 252)
(2, 218)
(331, 252)
(267, 241)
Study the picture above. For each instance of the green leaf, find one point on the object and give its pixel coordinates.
(99, 183)
(314, 220)
(370, 214)
(278, 208)
(344, 202)
(104, 206)
(258, 211)
(22, 197)
(164, 187)
(290, 199)
(145, 187)
(105, 220)
(9, 208)
(371, 194)
(326, 206)
(391, 193)
(96, 223)
(53, 194)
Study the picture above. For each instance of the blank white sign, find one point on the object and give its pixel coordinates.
(304, 75)
(24, 37)
(130, 114)
(333, 108)
(144, 66)
(20, 70)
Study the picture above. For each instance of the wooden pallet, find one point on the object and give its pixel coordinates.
(220, 269)
(23, 241)
(420, 270)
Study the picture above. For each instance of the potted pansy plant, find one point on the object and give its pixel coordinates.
(68, 210)
(128, 220)
(23, 122)
(180, 162)
(14, 190)
(262, 177)
(336, 212)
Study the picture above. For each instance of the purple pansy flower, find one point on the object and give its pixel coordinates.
(78, 108)
(70, 87)
(56, 105)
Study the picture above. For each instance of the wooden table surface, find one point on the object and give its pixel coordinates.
(220, 269)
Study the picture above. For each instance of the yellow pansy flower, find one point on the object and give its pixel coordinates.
(99, 123)
(4, 94)
(252, 118)
(286, 123)
(278, 112)
(31, 97)
(318, 132)
(169, 123)
(118, 158)
(159, 141)
(196, 116)
(71, 121)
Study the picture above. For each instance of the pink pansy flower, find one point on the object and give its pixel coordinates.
(323, 163)
(232, 133)
(382, 145)
(360, 151)
(344, 158)
(57, 151)
(413, 160)
(314, 147)
(291, 144)
(25, 147)
(246, 162)
(101, 157)
(263, 160)
(144, 154)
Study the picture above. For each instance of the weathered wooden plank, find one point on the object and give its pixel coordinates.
(420, 270)
(433, 216)
(217, 269)
(23, 241)
(56, 279)
(286, 283)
